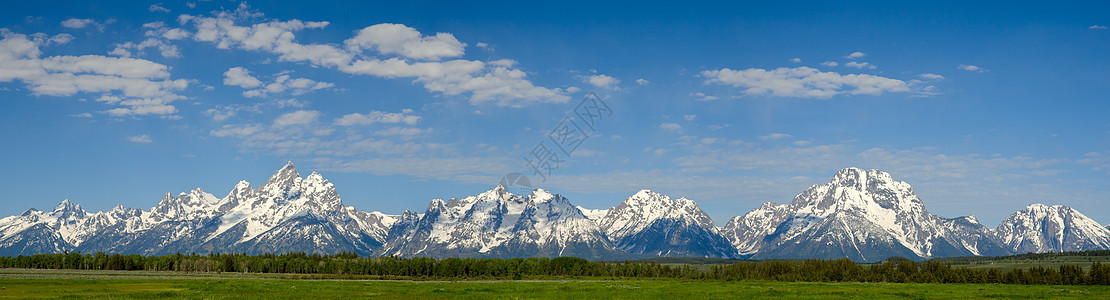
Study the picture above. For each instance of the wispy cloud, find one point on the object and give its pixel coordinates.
(971, 68)
(803, 82)
(142, 139)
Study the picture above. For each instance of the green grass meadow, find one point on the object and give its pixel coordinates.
(48, 284)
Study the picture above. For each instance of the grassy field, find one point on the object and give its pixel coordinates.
(1048, 262)
(146, 285)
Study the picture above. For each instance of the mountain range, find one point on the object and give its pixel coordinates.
(864, 215)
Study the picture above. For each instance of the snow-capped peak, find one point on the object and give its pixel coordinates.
(282, 180)
(541, 195)
(1056, 228)
(67, 206)
(644, 207)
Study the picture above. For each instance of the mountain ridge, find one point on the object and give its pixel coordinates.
(865, 215)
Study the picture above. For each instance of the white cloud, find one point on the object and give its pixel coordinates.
(241, 77)
(801, 143)
(931, 76)
(705, 97)
(670, 126)
(175, 34)
(830, 64)
(141, 86)
(78, 23)
(603, 81)
(642, 81)
(860, 65)
(291, 102)
(240, 131)
(1097, 27)
(494, 82)
(145, 139)
(855, 55)
(971, 68)
(795, 60)
(165, 49)
(689, 117)
(775, 136)
(82, 115)
(402, 131)
(803, 82)
(405, 41)
(377, 117)
(158, 8)
(299, 117)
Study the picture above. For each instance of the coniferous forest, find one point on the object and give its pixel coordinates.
(350, 265)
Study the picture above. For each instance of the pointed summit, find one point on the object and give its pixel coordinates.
(65, 206)
(282, 180)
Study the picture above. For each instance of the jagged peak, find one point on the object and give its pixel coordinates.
(860, 177)
(286, 174)
(540, 195)
(645, 193)
(1043, 207)
(243, 184)
(436, 204)
(66, 205)
(498, 192)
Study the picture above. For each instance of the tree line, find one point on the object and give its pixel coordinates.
(810, 270)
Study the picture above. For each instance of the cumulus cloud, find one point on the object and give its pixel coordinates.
(642, 81)
(803, 82)
(971, 68)
(241, 77)
(495, 82)
(402, 40)
(602, 81)
(144, 139)
(795, 60)
(405, 116)
(299, 117)
(830, 64)
(855, 55)
(141, 86)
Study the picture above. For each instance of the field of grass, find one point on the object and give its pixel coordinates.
(124, 285)
(1054, 262)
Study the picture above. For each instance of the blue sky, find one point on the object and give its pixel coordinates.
(984, 108)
